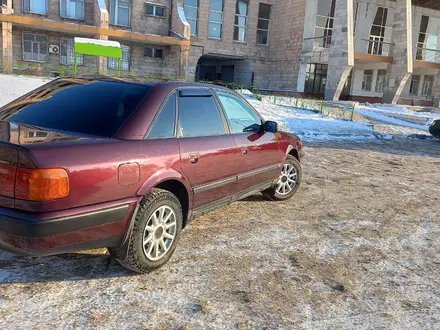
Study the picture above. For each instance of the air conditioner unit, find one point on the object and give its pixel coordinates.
(54, 49)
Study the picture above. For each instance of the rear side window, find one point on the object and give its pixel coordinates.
(163, 126)
(199, 116)
(78, 105)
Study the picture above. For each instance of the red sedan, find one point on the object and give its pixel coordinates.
(92, 162)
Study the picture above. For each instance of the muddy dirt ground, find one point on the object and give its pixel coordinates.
(357, 248)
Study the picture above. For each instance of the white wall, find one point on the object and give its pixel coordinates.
(358, 77)
(422, 73)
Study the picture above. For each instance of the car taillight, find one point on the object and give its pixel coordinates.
(41, 185)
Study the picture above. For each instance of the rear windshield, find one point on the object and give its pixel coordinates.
(78, 105)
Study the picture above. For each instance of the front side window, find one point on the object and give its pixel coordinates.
(415, 85)
(125, 61)
(263, 24)
(380, 81)
(191, 8)
(428, 83)
(67, 53)
(34, 47)
(81, 105)
(241, 17)
(215, 26)
(367, 80)
(154, 10)
(240, 116)
(163, 126)
(199, 116)
(120, 12)
(324, 23)
(35, 6)
(73, 9)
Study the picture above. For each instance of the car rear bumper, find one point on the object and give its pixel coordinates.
(103, 226)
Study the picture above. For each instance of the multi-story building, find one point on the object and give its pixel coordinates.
(367, 50)
(372, 50)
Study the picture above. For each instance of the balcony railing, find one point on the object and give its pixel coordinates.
(317, 43)
(374, 45)
(427, 55)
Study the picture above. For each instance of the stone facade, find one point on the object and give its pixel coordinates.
(273, 66)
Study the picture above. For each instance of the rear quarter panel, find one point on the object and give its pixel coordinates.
(93, 169)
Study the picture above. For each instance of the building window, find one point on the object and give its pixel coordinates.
(73, 9)
(35, 6)
(34, 47)
(316, 78)
(380, 81)
(367, 81)
(154, 10)
(67, 52)
(263, 24)
(215, 26)
(377, 32)
(356, 14)
(324, 23)
(120, 12)
(125, 61)
(241, 16)
(428, 83)
(421, 43)
(415, 85)
(153, 52)
(191, 8)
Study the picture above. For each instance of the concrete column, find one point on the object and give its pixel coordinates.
(101, 19)
(181, 28)
(400, 71)
(7, 39)
(341, 59)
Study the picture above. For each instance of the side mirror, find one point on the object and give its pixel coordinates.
(270, 126)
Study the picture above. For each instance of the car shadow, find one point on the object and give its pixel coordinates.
(65, 267)
(255, 198)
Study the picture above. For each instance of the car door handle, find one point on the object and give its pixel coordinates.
(244, 151)
(194, 158)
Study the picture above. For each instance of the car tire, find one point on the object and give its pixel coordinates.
(290, 171)
(150, 245)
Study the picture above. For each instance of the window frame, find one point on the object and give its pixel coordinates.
(35, 34)
(363, 88)
(155, 5)
(154, 49)
(251, 108)
(110, 60)
(80, 56)
(116, 14)
(218, 23)
(245, 27)
(159, 112)
(193, 19)
(431, 87)
(411, 91)
(264, 19)
(30, 6)
(379, 82)
(67, 9)
(226, 127)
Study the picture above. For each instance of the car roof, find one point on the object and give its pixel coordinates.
(171, 84)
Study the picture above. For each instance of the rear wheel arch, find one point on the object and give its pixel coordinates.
(179, 190)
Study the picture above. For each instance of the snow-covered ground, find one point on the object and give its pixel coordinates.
(309, 125)
(12, 87)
